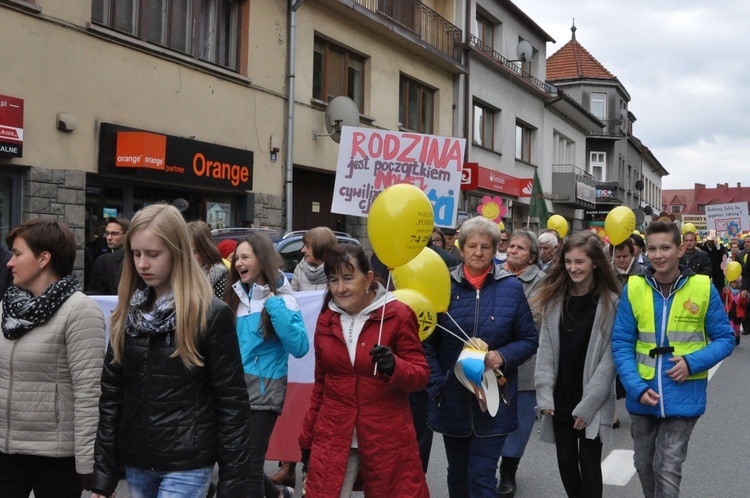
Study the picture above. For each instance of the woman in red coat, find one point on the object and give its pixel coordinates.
(359, 421)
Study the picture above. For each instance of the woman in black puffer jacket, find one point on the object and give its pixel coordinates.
(174, 400)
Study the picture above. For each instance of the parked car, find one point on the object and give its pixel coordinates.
(239, 233)
(290, 247)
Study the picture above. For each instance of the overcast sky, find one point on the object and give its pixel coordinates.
(684, 64)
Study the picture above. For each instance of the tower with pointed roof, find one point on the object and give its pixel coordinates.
(614, 156)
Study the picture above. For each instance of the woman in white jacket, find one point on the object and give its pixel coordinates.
(51, 355)
(575, 371)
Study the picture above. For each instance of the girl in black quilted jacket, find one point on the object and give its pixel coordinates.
(173, 398)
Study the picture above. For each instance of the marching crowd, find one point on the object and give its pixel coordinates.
(194, 372)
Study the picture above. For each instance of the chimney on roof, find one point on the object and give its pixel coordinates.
(739, 184)
(573, 30)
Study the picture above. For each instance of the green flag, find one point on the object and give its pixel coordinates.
(538, 206)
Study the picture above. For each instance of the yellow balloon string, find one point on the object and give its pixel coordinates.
(382, 317)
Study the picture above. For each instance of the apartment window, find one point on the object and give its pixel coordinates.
(485, 31)
(676, 209)
(599, 105)
(416, 106)
(701, 208)
(336, 71)
(208, 30)
(563, 149)
(484, 126)
(598, 166)
(523, 142)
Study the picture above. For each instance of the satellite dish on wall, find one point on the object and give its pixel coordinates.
(648, 210)
(640, 216)
(181, 204)
(341, 111)
(524, 51)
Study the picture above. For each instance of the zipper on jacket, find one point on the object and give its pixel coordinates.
(473, 334)
(660, 359)
(10, 396)
(260, 376)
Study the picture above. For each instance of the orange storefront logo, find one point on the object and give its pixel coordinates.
(140, 149)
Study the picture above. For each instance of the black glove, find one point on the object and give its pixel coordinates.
(85, 480)
(305, 458)
(383, 356)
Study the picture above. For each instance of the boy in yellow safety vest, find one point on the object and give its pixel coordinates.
(670, 329)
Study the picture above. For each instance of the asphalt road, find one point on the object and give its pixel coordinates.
(718, 462)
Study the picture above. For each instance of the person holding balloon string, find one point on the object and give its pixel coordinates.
(735, 300)
(359, 421)
(486, 304)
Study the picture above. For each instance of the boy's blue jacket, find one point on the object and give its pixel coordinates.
(685, 399)
(265, 361)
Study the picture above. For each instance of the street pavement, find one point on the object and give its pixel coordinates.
(717, 465)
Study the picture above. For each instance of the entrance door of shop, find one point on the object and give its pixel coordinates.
(313, 196)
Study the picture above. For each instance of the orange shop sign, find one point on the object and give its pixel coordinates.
(143, 155)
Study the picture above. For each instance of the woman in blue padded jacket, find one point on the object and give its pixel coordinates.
(270, 328)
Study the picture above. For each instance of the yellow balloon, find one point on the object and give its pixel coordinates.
(688, 227)
(558, 224)
(399, 224)
(619, 224)
(733, 271)
(428, 274)
(422, 307)
(501, 225)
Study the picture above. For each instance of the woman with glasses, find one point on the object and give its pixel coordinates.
(501, 255)
(486, 303)
(438, 238)
(575, 372)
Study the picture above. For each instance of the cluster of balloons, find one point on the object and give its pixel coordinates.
(618, 226)
(399, 226)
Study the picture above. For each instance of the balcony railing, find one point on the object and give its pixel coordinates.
(421, 20)
(612, 128)
(581, 175)
(513, 66)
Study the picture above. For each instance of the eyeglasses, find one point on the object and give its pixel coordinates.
(504, 240)
(112, 234)
(437, 241)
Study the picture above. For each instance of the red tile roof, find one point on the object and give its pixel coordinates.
(573, 61)
(702, 196)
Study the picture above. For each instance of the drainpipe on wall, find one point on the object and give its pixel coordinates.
(289, 163)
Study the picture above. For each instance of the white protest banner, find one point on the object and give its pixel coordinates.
(727, 219)
(372, 160)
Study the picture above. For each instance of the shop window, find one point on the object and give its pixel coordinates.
(416, 106)
(337, 71)
(208, 30)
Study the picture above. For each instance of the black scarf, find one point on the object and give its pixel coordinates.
(22, 311)
(160, 318)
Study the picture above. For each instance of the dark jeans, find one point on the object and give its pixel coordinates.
(579, 460)
(660, 446)
(472, 465)
(418, 402)
(261, 427)
(48, 477)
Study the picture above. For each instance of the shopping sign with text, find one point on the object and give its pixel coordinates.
(372, 160)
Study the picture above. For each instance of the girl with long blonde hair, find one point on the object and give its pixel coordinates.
(173, 397)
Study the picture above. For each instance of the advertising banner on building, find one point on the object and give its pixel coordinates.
(148, 156)
(727, 219)
(11, 126)
(372, 160)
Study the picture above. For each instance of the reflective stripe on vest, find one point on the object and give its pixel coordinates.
(685, 327)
